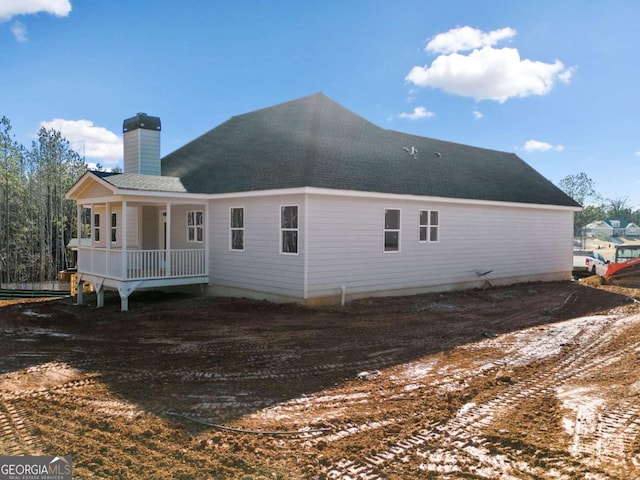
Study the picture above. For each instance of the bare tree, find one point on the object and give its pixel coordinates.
(582, 189)
(619, 209)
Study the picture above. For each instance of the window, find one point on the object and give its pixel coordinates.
(289, 229)
(429, 224)
(236, 226)
(96, 227)
(195, 226)
(114, 227)
(391, 230)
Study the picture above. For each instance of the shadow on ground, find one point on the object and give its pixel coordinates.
(219, 359)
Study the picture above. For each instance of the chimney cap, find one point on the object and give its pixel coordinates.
(141, 120)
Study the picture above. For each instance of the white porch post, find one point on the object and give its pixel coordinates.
(124, 296)
(78, 278)
(93, 236)
(124, 240)
(99, 288)
(78, 224)
(93, 227)
(168, 241)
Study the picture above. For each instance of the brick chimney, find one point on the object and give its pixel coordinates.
(142, 144)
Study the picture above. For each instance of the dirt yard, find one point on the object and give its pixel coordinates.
(536, 381)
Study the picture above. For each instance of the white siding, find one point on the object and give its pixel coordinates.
(150, 221)
(99, 210)
(346, 245)
(133, 232)
(179, 235)
(260, 267)
(94, 190)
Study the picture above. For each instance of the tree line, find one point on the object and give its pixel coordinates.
(36, 222)
(582, 189)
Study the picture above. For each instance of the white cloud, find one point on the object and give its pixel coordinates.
(11, 8)
(638, 154)
(477, 114)
(93, 142)
(565, 76)
(467, 38)
(486, 73)
(536, 146)
(19, 31)
(417, 114)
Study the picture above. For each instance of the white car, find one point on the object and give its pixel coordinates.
(589, 262)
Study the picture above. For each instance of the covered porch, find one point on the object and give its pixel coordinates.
(128, 243)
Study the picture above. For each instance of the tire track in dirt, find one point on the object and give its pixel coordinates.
(16, 436)
(95, 427)
(464, 434)
(42, 379)
(617, 430)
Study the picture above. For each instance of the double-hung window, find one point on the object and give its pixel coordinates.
(114, 227)
(96, 227)
(429, 226)
(195, 226)
(391, 230)
(289, 229)
(236, 229)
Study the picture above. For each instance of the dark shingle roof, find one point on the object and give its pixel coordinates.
(315, 142)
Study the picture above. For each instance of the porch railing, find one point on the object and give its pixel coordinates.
(142, 264)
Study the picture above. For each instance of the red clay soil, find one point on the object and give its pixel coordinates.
(531, 381)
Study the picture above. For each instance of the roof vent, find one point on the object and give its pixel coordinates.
(413, 151)
(438, 154)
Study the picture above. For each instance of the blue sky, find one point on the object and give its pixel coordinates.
(554, 82)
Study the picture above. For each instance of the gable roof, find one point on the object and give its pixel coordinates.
(599, 224)
(315, 142)
(115, 183)
(148, 183)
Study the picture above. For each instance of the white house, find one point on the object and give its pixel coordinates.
(612, 228)
(632, 230)
(599, 227)
(306, 201)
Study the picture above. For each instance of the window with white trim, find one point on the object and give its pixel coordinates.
(114, 227)
(391, 230)
(289, 229)
(96, 227)
(195, 226)
(429, 226)
(236, 228)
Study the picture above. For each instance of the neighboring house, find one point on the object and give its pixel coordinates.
(306, 201)
(632, 230)
(612, 228)
(599, 228)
